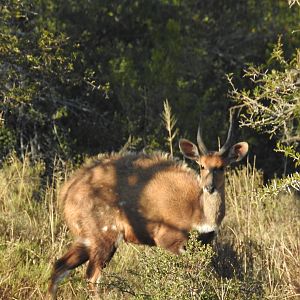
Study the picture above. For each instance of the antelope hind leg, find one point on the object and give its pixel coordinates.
(76, 255)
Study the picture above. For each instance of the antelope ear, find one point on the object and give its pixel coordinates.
(238, 151)
(188, 149)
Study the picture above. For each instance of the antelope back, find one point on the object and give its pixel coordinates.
(134, 194)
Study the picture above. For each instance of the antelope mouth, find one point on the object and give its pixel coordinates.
(212, 191)
(205, 228)
(206, 233)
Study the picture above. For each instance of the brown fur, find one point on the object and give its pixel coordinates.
(143, 199)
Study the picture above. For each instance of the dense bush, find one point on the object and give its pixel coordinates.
(70, 87)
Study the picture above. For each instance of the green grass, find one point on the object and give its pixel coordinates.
(256, 254)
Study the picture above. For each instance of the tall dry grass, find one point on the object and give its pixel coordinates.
(264, 233)
(256, 252)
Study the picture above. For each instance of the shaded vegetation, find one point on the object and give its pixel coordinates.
(81, 77)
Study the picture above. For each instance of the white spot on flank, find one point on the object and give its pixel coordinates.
(98, 281)
(104, 229)
(85, 242)
(114, 227)
(182, 250)
(205, 228)
(76, 225)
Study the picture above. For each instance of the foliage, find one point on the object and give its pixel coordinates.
(70, 87)
(179, 277)
(289, 151)
(288, 183)
(187, 276)
(273, 104)
(38, 80)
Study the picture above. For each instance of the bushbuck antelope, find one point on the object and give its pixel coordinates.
(143, 199)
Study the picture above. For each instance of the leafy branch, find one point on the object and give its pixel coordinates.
(290, 152)
(287, 184)
(273, 105)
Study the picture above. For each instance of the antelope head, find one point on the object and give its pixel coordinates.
(212, 176)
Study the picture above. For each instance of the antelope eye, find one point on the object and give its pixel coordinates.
(202, 167)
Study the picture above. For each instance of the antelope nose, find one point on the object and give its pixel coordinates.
(209, 188)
